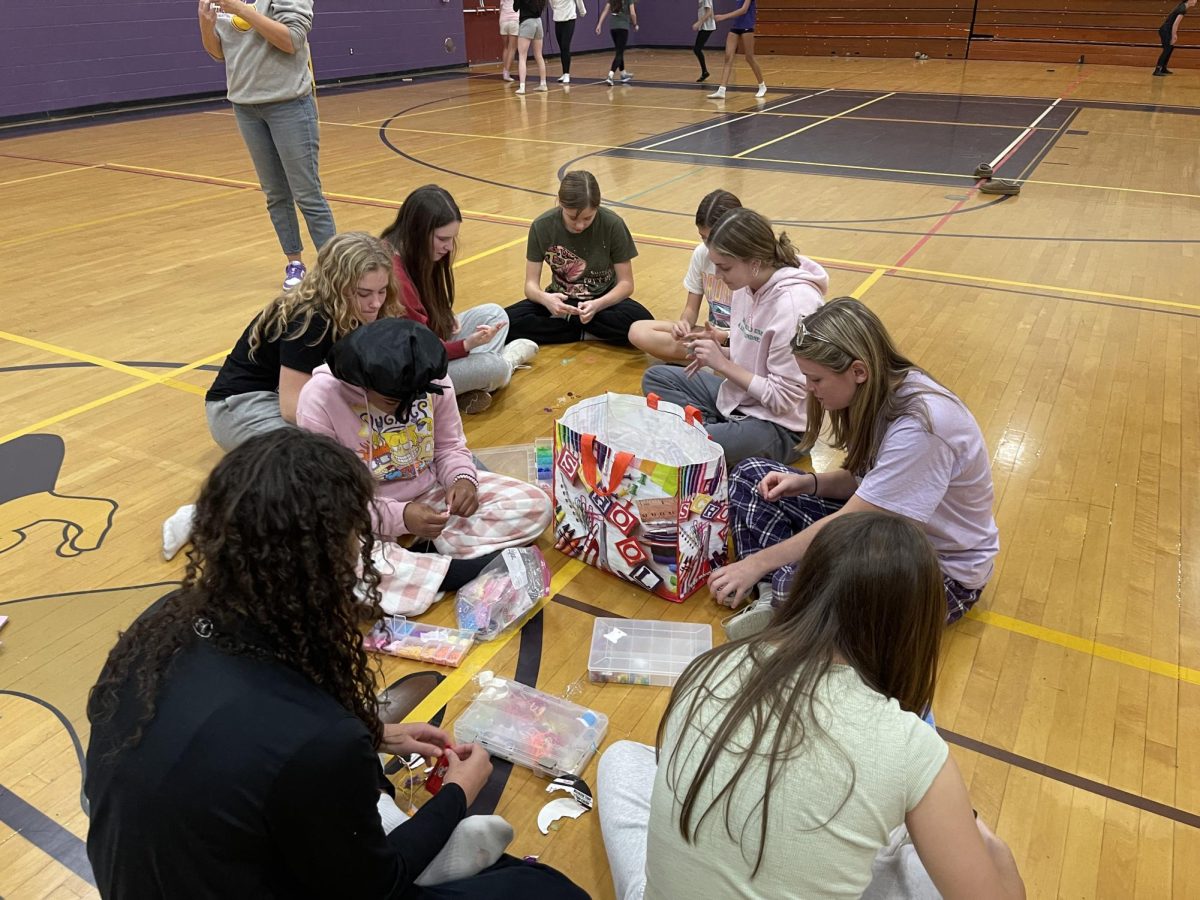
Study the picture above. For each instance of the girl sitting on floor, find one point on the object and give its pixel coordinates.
(235, 723)
(260, 380)
(590, 253)
(385, 395)
(666, 340)
(753, 397)
(795, 763)
(912, 448)
(425, 238)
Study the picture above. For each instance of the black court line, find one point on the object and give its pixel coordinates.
(529, 664)
(45, 834)
(998, 753)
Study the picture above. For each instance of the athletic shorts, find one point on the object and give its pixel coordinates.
(741, 31)
(512, 27)
(531, 29)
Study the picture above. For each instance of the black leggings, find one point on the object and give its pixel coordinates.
(563, 32)
(1168, 48)
(702, 37)
(620, 38)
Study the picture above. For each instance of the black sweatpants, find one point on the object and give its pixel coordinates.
(620, 38)
(531, 320)
(702, 37)
(1168, 49)
(563, 32)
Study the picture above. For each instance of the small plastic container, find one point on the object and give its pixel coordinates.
(533, 463)
(396, 636)
(549, 735)
(637, 651)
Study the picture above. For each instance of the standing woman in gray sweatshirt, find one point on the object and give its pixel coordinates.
(264, 45)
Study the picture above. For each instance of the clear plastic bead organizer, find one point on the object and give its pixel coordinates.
(645, 651)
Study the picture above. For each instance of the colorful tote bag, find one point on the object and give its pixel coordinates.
(640, 491)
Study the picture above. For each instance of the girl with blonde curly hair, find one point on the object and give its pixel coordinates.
(256, 390)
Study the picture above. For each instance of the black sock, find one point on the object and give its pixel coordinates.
(463, 570)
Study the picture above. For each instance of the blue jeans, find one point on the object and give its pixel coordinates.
(284, 144)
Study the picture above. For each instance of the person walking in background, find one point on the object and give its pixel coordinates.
(269, 76)
(509, 24)
(1168, 33)
(623, 14)
(704, 26)
(565, 12)
(530, 31)
(741, 31)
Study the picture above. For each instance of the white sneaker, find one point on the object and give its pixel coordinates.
(521, 89)
(609, 80)
(565, 78)
(506, 77)
(542, 87)
(718, 94)
(519, 352)
(762, 90)
(177, 531)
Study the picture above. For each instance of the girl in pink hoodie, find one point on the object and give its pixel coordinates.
(384, 394)
(751, 392)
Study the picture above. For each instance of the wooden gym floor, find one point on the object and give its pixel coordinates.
(135, 249)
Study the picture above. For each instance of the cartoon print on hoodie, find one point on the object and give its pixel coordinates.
(395, 450)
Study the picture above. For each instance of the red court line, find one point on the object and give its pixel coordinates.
(938, 225)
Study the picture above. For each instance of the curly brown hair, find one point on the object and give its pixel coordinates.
(282, 527)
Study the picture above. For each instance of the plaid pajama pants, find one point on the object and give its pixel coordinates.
(758, 524)
(511, 514)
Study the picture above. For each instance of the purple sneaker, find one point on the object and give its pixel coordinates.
(293, 275)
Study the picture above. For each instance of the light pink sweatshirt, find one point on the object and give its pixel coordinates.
(406, 459)
(762, 325)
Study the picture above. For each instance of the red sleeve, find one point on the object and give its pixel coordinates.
(414, 309)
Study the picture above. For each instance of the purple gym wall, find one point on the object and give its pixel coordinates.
(68, 54)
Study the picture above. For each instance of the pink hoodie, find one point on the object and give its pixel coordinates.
(406, 459)
(762, 326)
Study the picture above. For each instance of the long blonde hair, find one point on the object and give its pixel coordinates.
(835, 336)
(329, 290)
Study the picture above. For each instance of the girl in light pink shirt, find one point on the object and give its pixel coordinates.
(384, 394)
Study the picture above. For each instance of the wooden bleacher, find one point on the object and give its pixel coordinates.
(1109, 32)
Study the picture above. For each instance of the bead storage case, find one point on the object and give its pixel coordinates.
(636, 651)
(533, 463)
(396, 636)
(550, 735)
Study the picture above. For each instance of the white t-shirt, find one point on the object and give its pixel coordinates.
(814, 849)
(942, 480)
(702, 278)
(709, 24)
(563, 10)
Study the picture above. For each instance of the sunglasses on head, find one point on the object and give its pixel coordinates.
(803, 331)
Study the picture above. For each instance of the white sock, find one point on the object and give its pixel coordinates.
(390, 814)
(476, 843)
(177, 531)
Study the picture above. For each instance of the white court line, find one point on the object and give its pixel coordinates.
(1020, 137)
(757, 112)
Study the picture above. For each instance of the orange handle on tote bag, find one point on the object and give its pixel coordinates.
(691, 415)
(588, 467)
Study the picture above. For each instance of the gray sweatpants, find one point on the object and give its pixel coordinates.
(483, 369)
(739, 437)
(240, 417)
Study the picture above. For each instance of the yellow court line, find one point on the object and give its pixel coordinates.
(811, 125)
(486, 253)
(109, 398)
(481, 656)
(74, 168)
(97, 361)
(1083, 645)
(867, 284)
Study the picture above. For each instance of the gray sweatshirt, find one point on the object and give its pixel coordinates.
(256, 71)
